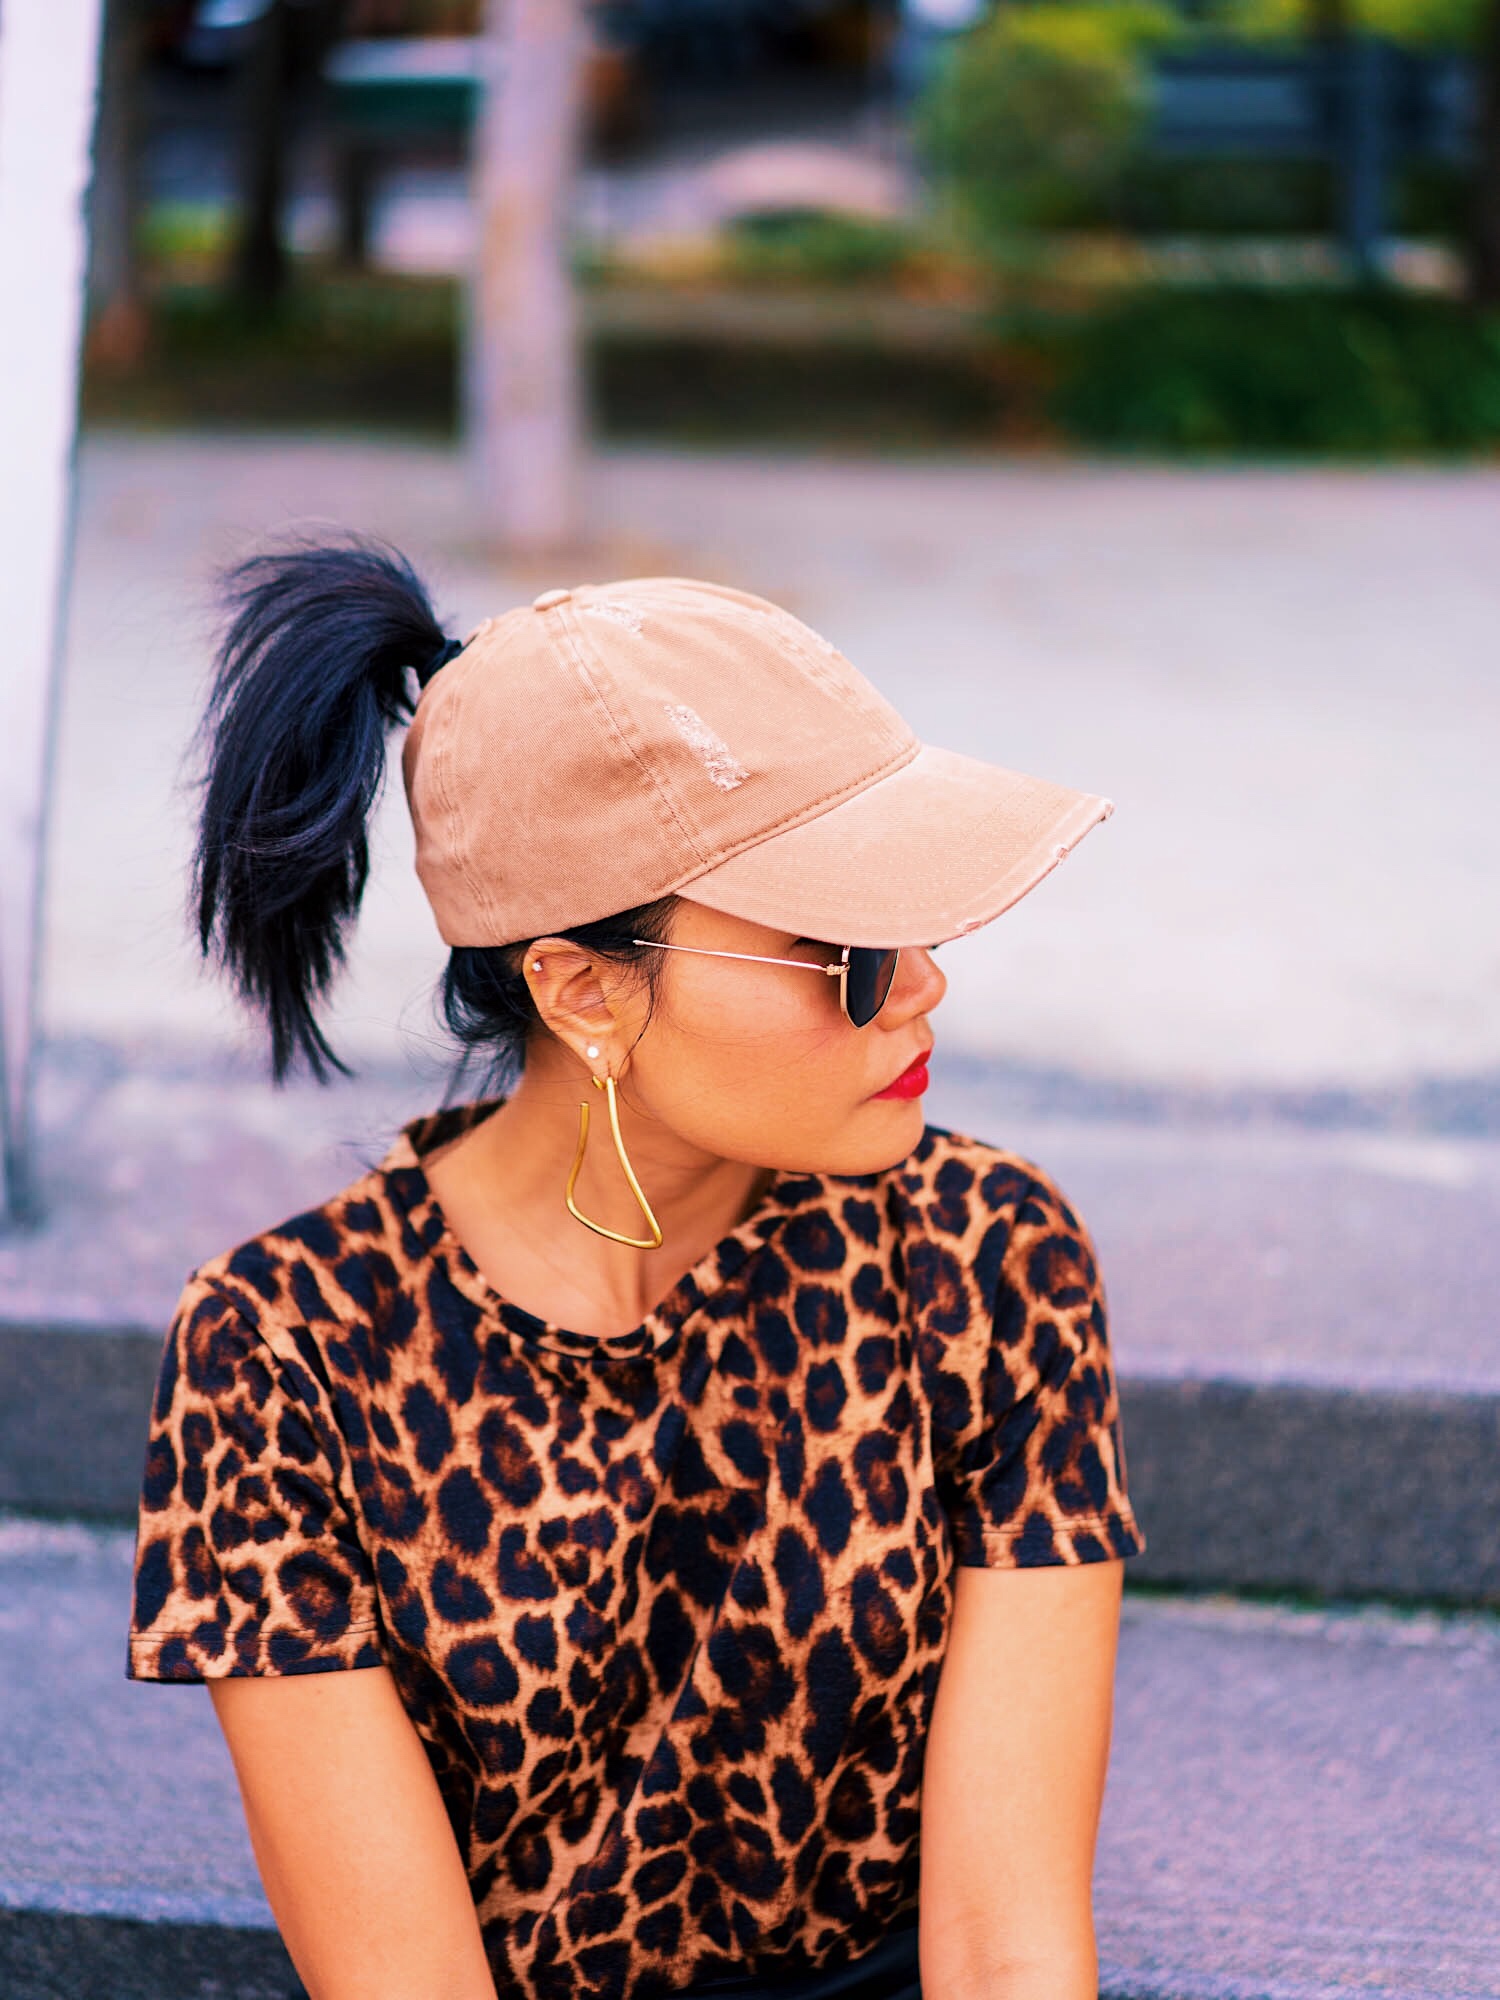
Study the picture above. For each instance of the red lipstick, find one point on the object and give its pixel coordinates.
(911, 1082)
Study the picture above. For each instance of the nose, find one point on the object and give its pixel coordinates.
(918, 987)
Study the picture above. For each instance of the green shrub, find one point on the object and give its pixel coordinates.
(339, 350)
(1030, 117)
(1432, 198)
(1179, 195)
(1246, 369)
(1037, 120)
(184, 232)
(812, 246)
(1429, 24)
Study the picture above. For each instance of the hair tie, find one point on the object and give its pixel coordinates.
(449, 650)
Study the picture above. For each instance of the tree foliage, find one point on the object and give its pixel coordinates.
(1031, 116)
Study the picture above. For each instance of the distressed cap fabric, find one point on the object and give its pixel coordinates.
(616, 742)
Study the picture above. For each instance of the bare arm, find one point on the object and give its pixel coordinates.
(1014, 1783)
(354, 1847)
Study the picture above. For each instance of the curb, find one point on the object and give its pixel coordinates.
(60, 1955)
(1259, 1485)
(1336, 1491)
(50, 1955)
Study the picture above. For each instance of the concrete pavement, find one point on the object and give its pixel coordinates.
(1300, 1804)
(1249, 1025)
(1269, 1249)
(1284, 680)
(1302, 1317)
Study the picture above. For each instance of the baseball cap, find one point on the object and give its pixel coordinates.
(612, 743)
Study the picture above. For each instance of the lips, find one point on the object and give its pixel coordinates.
(911, 1082)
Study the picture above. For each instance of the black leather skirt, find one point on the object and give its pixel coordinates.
(888, 1972)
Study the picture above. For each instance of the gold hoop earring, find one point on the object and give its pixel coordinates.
(650, 1242)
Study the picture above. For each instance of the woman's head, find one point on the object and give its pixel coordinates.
(737, 1057)
(612, 769)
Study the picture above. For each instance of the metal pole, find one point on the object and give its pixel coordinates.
(49, 63)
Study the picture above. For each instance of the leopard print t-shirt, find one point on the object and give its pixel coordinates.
(667, 1608)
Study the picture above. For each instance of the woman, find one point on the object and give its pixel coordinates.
(713, 1472)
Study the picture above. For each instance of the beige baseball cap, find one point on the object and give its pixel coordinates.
(616, 742)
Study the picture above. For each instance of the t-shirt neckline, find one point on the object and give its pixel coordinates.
(405, 1171)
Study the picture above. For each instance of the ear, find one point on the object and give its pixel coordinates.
(581, 999)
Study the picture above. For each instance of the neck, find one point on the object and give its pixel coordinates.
(504, 1181)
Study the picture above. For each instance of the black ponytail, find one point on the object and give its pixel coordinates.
(310, 678)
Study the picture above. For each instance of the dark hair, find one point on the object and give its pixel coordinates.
(309, 679)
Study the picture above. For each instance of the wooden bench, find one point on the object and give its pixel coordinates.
(406, 96)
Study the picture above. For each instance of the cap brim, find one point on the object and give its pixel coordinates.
(931, 852)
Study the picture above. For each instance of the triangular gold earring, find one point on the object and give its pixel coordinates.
(650, 1242)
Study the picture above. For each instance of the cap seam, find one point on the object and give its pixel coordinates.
(1019, 880)
(824, 803)
(789, 634)
(463, 848)
(574, 639)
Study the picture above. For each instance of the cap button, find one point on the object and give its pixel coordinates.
(549, 598)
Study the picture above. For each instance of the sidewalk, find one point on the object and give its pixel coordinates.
(1250, 1025)
(1250, 1028)
(1284, 680)
(1302, 1319)
(1300, 1805)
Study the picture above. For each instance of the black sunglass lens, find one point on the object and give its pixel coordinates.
(871, 971)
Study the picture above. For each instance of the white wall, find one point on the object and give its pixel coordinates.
(49, 52)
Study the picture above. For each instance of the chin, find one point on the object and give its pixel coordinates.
(901, 1124)
(880, 1135)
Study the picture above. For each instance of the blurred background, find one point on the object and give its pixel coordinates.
(1117, 384)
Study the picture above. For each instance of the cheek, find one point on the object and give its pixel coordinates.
(755, 1064)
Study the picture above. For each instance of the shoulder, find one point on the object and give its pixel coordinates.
(968, 1196)
(990, 1247)
(358, 1254)
(289, 1283)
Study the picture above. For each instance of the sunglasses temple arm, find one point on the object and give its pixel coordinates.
(748, 957)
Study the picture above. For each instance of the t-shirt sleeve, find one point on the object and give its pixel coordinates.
(247, 1556)
(1040, 1476)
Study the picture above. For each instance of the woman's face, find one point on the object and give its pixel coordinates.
(758, 1062)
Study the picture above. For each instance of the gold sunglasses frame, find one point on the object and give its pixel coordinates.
(838, 971)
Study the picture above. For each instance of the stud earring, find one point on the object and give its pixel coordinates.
(536, 965)
(592, 1050)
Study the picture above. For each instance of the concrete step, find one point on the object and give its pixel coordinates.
(1301, 1803)
(1301, 1290)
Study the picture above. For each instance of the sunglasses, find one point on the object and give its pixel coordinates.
(864, 973)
